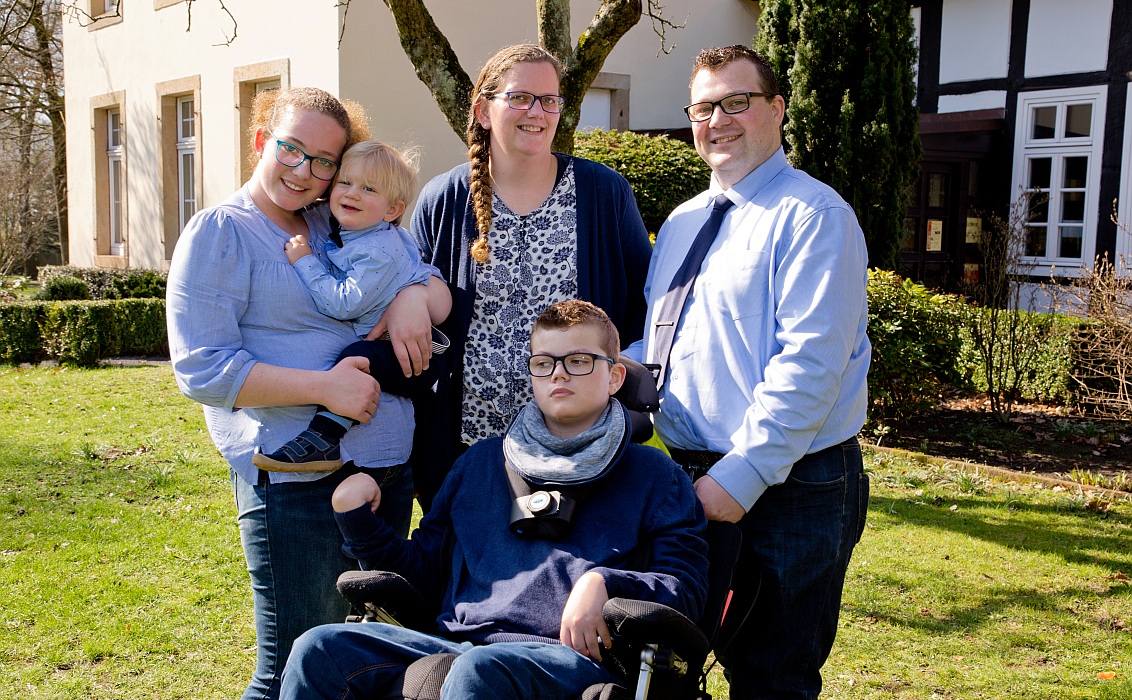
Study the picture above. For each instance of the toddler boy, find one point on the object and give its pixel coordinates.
(373, 259)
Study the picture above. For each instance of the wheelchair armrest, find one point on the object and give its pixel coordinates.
(637, 622)
(389, 592)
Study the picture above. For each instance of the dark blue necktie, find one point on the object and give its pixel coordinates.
(672, 305)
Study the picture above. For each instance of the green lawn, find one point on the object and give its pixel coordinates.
(121, 574)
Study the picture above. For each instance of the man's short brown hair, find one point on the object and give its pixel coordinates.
(717, 57)
(575, 312)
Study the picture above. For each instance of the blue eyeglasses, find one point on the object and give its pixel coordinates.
(292, 156)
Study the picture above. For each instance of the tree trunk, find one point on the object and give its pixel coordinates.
(44, 19)
(439, 68)
(435, 61)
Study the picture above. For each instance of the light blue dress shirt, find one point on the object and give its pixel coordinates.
(233, 299)
(367, 272)
(770, 358)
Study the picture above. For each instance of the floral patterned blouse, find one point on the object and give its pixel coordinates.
(533, 263)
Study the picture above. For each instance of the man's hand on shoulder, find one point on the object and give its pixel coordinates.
(718, 504)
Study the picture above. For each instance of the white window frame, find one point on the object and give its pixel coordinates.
(1124, 203)
(186, 151)
(115, 180)
(1057, 149)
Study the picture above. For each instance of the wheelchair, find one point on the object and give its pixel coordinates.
(657, 652)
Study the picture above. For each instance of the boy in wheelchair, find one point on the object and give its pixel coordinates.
(529, 536)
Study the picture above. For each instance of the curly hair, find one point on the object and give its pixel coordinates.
(270, 106)
(479, 138)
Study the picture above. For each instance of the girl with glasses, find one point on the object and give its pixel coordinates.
(514, 230)
(248, 342)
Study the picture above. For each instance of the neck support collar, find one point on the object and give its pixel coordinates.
(544, 510)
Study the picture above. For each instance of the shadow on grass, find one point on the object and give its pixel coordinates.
(1067, 543)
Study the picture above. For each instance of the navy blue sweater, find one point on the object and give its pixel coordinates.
(642, 529)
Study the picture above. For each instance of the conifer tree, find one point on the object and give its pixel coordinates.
(845, 68)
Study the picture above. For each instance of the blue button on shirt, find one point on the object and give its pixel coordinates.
(233, 299)
(771, 357)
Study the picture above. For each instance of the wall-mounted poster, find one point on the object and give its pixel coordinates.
(974, 229)
(935, 236)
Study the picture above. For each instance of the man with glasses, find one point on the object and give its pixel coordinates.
(757, 316)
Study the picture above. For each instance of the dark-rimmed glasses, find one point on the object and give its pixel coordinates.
(523, 101)
(732, 104)
(292, 156)
(576, 364)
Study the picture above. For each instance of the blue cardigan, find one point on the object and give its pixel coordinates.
(613, 261)
(642, 529)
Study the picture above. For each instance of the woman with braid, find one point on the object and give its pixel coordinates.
(516, 229)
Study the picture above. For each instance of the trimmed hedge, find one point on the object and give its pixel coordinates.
(81, 332)
(916, 346)
(110, 283)
(663, 172)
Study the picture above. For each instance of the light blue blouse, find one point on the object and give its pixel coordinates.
(233, 299)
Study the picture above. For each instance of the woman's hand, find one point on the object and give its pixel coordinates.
(350, 391)
(583, 627)
(407, 320)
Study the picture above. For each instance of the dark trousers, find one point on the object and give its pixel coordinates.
(799, 536)
(384, 367)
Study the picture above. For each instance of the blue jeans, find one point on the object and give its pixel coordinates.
(800, 534)
(293, 550)
(367, 660)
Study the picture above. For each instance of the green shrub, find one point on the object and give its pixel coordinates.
(64, 288)
(20, 340)
(916, 345)
(1050, 378)
(111, 283)
(140, 284)
(82, 332)
(663, 172)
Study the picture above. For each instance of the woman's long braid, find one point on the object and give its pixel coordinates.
(479, 153)
(479, 138)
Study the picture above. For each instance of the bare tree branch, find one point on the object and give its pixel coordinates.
(660, 25)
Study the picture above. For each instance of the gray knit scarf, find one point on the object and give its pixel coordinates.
(537, 455)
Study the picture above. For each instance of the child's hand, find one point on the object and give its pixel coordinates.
(583, 628)
(297, 248)
(354, 491)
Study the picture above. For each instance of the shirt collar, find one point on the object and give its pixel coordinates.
(745, 190)
(349, 235)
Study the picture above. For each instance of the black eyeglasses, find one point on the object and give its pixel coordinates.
(292, 156)
(551, 104)
(576, 364)
(732, 104)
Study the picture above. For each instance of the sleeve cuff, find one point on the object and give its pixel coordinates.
(739, 479)
(358, 524)
(308, 267)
